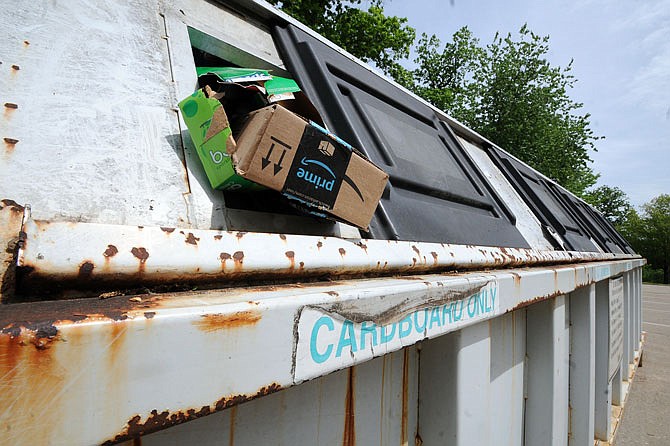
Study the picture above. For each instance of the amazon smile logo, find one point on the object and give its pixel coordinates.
(317, 180)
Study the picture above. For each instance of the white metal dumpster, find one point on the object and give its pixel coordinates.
(489, 306)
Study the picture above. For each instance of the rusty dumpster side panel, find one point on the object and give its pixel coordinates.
(105, 370)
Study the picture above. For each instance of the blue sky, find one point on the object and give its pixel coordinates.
(621, 52)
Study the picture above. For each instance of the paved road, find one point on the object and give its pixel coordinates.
(646, 417)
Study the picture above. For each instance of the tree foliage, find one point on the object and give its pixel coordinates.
(510, 93)
(506, 90)
(368, 34)
(612, 202)
(649, 233)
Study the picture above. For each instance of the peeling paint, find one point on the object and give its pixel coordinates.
(434, 297)
(191, 239)
(156, 420)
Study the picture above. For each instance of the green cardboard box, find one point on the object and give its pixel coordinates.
(212, 136)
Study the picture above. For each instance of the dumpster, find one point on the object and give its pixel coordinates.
(483, 303)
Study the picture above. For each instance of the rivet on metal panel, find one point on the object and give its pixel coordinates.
(141, 253)
(238, 258)
(10, 144)
(224, 256)
(86, 270)
(111, 251)
(291, 257)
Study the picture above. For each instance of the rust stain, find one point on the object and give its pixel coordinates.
(26, 43)
(141, 253)
(231, 430)
(319, 245)
(535, 300)
(238, 258)
(405, 397)
(167, 230)
(240, 234)
(192, 239)
(16, 67)
(111, 251)
(11, 204)
(10, 107)
(363, 246)
(332, 293)
(215, 322)
(291, 257)
(29, 377)
(349, 434)
(149, 314)
(416, 250)
(86, 270)
(10, 144)
(342, 252)
(301, 265)
(224, 256)
(435, 259)
(218, 237)
(282, 236)
(156, 421)
(413, 261)
(116, 340)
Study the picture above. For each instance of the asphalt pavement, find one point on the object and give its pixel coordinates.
(646, 415)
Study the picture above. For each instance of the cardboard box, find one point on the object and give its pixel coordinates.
(282, 151)
(212, 135)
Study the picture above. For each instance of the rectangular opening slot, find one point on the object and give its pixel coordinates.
(264, 210)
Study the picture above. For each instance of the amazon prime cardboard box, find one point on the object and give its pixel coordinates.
(280, 150)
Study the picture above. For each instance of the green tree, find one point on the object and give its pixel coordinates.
(656, 234)
(649, 233)
(507, 90)
(510, 93)
(367, 34)
(612, 202)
